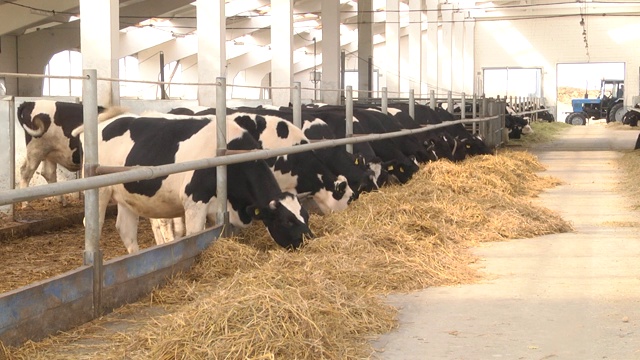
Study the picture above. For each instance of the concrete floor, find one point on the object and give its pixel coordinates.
(562, 296)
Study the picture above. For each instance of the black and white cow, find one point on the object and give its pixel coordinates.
(395, 162)
(452, 142)
(253, 192)
(473, 143)
(517, 126)
(438, 144)
(360, 176)
(47, 128)
(410, 145)
(301, 173)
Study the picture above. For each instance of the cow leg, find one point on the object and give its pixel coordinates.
(49, 172)
(195, 215)
(127, 225)
(178, 227)
(104, 195)
(162, 230)
(27, 169)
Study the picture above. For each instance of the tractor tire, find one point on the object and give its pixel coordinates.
(576, 118)
(616, 113)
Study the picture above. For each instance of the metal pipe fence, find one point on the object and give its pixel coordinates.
(96, 176)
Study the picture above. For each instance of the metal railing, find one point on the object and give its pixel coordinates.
(98, 176)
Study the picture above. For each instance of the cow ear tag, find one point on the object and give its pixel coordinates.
(390, 168)
(401, 170)
(356, 161)
(256, 211)
(468, 146)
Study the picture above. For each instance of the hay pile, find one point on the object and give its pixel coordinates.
(630, 162)
(249, 299)
(542, 132)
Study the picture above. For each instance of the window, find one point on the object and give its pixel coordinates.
(512, 82)
(64, 63)
(128, 68)
(172, 73)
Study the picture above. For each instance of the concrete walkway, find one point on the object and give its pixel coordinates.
(563, 296)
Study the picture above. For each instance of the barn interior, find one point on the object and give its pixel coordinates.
(496, 49)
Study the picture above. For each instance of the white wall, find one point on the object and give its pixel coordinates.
(547, 42)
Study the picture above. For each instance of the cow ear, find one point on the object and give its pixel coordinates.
(255, 212)
(341, 186)
(273, 204)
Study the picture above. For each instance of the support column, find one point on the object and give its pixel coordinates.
(330, 51)
(431, 45)
(281, 50)
(99, 41)
(365, 45)
(469, 57)
(415, 46)
(392, 47)
(212, 53)
(457, 55)
(444, 49)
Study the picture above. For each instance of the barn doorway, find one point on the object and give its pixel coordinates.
(577, 80)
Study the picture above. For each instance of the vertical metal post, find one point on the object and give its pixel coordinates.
(370, 75)
(343, 61)
(485, 113)
(450, 102)
(92, 253)
(12, 152)
(463, 107)
(432, 99)
(474, 112)
(412, 104)
(384, 100)
(163, 93)
(349, 117)
(474, 105)
(222, 215)
(297, 105)
(315, 71)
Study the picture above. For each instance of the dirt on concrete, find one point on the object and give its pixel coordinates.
(563, 296)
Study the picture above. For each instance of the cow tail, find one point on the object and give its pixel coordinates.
(34, 127)
(108, 113)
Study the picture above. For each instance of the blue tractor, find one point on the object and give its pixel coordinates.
(608, 105)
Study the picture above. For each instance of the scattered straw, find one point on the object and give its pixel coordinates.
(246, 298)
(630, 162)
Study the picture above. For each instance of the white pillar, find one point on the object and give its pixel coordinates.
(281, 50)
(365, 45)
(457, 54)
(469, 58)
(212, 54)
(330, 51)
(99, 38)
(415, 46)
(431, 45)
(444, 49)
(392, 47)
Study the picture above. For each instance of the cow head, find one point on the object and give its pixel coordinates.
(380, 173)
(286, 220)
(402, 170)
(335, 196)
(475, 145)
